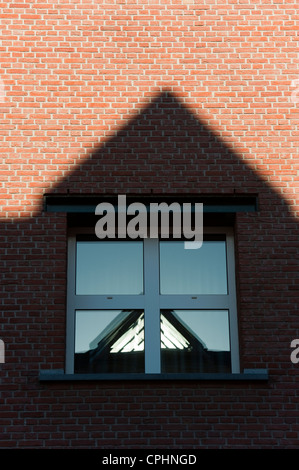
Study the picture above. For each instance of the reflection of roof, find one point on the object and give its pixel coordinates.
(131, 340)
(119, 348)
(174, 333)
(171, 338)
(173, 328)
(109, 328)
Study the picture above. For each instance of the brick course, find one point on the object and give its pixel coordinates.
(148, 97)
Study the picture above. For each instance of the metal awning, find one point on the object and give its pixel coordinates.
(78, 204)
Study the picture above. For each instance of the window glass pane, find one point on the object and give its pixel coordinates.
(200, 271)
(109, 267)
(195, 341)
(109, 341)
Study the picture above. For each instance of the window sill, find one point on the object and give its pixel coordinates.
(247, 375)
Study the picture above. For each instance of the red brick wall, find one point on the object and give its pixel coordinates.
(169, 97)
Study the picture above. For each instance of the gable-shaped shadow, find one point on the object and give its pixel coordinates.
(164, 150)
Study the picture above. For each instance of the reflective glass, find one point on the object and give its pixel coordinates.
(109, 341)
(195, 341)
(199, 271)
(109, 267)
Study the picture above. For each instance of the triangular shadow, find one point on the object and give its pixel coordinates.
(165, 148)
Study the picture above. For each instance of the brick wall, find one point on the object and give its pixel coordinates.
(171, 97)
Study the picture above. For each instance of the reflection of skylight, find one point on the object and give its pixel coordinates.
(133, 338)
(170, 337)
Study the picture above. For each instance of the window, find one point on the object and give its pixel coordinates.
(151, 306)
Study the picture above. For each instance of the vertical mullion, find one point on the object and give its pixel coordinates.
(152, 341)
(71, 291)
(233, 319)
